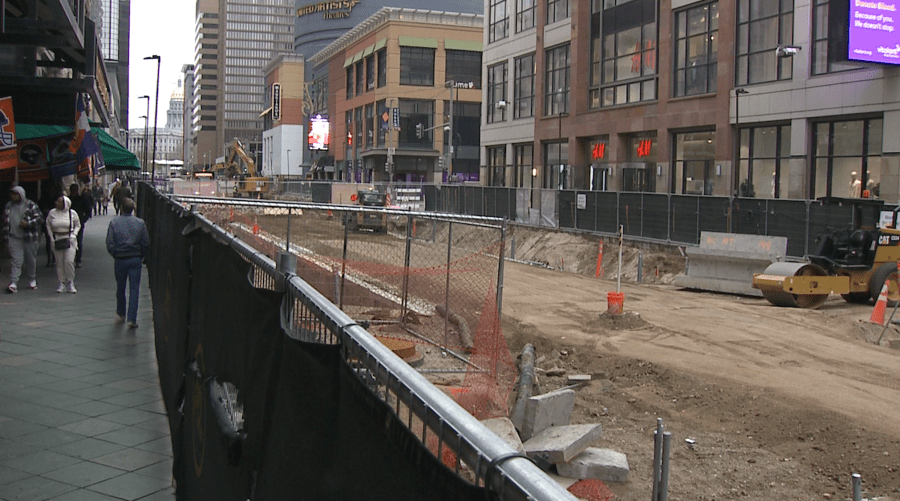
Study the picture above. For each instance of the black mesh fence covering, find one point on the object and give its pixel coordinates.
(255, 414)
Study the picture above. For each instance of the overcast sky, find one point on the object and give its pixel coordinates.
(164, 28)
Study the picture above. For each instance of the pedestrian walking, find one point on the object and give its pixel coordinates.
(63, 224)
(97, 192)
(22, 222)
(81, 204)
(123, 192)
(127, 242)
(114, 194)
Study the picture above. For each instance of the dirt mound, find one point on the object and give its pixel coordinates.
(579, 252)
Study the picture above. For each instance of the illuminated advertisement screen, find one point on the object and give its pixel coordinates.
(319, 138)
(872, 32)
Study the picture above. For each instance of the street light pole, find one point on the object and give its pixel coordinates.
(146, 128)
(144, 142)
(155, 113)
(735, 161)
(289, 163)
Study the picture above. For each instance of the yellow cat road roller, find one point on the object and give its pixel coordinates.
(854, 263)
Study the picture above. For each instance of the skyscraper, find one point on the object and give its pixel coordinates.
(234, 40)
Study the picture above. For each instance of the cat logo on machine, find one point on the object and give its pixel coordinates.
(889, 240)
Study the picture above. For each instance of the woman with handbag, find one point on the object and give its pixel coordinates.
(63, 224)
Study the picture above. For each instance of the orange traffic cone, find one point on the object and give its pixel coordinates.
(880, 305)
(256, 232)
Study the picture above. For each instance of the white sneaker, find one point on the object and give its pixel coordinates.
(120, 319)
(32, 284)
(71, 288)
(12, 289)
(61, 288)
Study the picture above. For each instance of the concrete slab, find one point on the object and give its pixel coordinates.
(560, 444)
(603, 464)
(544, 411)
(504, 428)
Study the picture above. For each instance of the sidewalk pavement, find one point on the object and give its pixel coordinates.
(81, 413)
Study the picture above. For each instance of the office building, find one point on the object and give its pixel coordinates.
(235, 39)
(647, 96)
(393, 92)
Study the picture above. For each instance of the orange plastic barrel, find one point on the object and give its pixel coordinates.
(614, 302)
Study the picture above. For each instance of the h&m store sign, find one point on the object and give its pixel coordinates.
(340, 9)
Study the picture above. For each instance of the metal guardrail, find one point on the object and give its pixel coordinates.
(425, 410)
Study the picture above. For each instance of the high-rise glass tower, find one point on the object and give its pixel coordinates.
(234, 41)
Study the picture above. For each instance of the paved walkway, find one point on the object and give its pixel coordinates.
(81, 414)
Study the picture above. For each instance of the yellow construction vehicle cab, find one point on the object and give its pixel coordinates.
(853, 262)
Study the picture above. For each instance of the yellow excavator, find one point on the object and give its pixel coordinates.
(239, 166)
(853, 262)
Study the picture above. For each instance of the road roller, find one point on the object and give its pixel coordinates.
(855, 263)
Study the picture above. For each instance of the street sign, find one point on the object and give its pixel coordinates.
(395, 118)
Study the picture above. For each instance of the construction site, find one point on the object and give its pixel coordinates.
(761, 401)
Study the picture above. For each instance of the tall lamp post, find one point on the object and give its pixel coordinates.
(289, 163)
(146, 127)
(155, 114)
(735, 161)
(144, 145)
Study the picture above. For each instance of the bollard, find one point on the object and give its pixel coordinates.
(657, 456)
(512, 248)
(856, 483)
(664, 474)
(640, 277)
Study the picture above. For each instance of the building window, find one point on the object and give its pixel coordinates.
(463, 66)
(466, 157)
(695, 154)
(820, 63)
(382, 67)
(557, 174)
(696, 50)
(556, 91)
(761, 28)
(370, 73)
(417, 66)
(496, 158)
(524, 15)
(523, 87)
(523, 165)
(496, 92)
(557, 10)
(598, 154)
(499, 27)
(350, 82)
(412, 113)
(370, 126)
(624, 54)
(383, 121)
(848, 158)
(765, 153)
(319, 95)
(359, 78)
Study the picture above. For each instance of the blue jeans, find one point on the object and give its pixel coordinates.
(128, 269)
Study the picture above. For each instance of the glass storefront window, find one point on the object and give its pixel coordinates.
(695, 161)
(848, 158)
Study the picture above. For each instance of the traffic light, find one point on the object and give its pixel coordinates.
(441, 162)
(420, 131)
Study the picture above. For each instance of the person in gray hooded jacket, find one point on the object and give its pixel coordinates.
(22, 220)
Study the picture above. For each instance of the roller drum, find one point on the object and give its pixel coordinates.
(780, 297)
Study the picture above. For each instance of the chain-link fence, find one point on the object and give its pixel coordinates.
(426, 285)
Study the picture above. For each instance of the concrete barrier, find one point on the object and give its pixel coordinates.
(726, 262)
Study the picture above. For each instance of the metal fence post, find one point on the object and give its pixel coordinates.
(657, 457)
(664, 473)
(856, 484)
(404, 303)
(447, 288)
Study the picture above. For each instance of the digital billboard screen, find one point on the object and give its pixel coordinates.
(872, 34)
(319, 136)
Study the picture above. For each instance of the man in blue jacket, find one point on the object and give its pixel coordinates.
(127, 241)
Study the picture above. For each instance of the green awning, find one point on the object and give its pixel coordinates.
(115, 156)
(468, 45)
(430, 43)
(380, 44)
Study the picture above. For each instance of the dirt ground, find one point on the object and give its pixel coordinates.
(779, 403)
